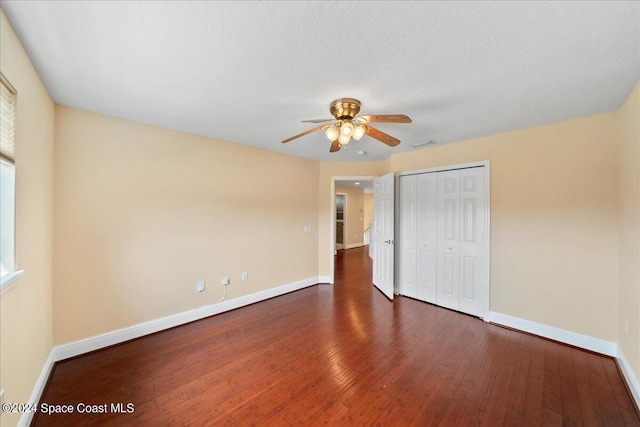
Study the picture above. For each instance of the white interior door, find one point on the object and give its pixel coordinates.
(448, 253)
(407, 236)
(383, 233)
(443, 249)
(426, 237)
(417, 241)
(473, 237)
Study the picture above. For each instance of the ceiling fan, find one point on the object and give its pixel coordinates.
(343, 128)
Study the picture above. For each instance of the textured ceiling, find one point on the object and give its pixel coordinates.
(249, 72)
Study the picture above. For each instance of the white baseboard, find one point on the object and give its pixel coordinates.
(630, 377)
(38, 388)
(354, 245)
(572, 338)
(98, 342)
(324, 279)
(583, 341)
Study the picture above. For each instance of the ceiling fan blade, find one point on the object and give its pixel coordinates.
(381, 136)
(388, 118)
(335, 146)
(305, 133)
(318, 120)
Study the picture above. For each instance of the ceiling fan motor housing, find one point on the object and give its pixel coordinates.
(345, 108)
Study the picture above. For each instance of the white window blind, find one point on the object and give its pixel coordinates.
(7, 118)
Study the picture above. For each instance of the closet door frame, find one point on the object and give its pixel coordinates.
(487, 244)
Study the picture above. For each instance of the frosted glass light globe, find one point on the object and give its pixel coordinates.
(332, 133)
(346, 129)
(359, 132)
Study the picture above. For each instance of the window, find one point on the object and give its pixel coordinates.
(7, 181)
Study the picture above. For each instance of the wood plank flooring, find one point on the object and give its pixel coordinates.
(342, 355)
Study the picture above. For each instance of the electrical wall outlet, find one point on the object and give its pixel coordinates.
(225, 281)
(307, 228)
(200, 286)
(245, 276)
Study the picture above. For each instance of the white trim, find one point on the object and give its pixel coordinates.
(97, 342)
(79, 347)
(332, 216)
(354, 245)
(629, 376)
(487, 201)
(344, 221)
(397, 238)
(586, 342)
(9, 280)
(325, 279)
(446, 168)
(38, 388)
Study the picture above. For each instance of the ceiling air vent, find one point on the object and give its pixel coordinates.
(422, 144)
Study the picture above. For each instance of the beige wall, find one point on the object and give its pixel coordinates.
(554, 222)
(629, 193)
(355, 213)
(25, 309)
(143, 213)
(368, 210)
(327, 171)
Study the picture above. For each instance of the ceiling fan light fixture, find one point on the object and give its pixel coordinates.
(332, 133)
(342, 128)
(347, 129)
(344, 139)
(358, 132)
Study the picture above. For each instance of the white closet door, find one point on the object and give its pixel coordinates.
(407, 240)
(473, 235)
(426, 236)
(444, 251)
(448, 246)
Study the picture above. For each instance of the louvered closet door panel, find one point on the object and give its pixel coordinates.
(448, 246)
(473, 235)
(407, 240)
(426, 236)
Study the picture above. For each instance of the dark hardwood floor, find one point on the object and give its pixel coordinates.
(342, 355)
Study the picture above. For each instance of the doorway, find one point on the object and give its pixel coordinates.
(341, 226)
(353, 215)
